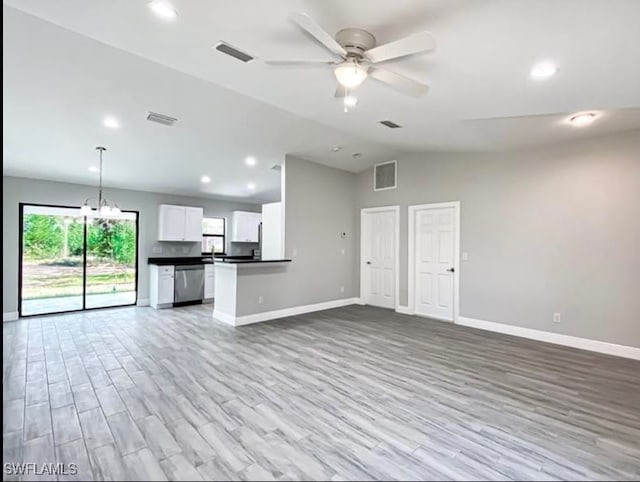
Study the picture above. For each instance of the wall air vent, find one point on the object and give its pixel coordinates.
(385, 176)
(390, 124)
(225, 48)
(161, 119)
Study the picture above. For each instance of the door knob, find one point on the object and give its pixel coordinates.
(451, 270)
(368, 262)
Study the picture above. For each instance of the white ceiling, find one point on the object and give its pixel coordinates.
(58, 86)
(479, 71)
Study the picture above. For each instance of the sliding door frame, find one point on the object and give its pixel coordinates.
(21, 207)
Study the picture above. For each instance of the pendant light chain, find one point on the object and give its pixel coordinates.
(101, 149)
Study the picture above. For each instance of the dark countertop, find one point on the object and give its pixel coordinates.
(181, 260)
(239, 260)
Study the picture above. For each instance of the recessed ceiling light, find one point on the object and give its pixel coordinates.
(93, 169)
(336, 149)
(543, 70)
(251, 186)
(163, 9)
(250, 161)
(582, 120)
(205, 179)
(111, 122)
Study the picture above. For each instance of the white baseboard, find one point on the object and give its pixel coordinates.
(555, 338)
(143, 302)
(273, 315)
(404, 310)
(10, 316)
(224, 317)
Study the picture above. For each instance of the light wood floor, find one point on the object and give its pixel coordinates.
(352, 393)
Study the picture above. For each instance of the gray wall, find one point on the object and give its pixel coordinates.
(319, 205)
(16, 190)
(548, 230)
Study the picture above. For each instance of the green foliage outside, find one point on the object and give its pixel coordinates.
(108, 239)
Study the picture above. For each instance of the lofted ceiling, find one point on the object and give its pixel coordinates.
(481, 95)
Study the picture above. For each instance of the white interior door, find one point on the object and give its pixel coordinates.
(379, 258)
(434, 245)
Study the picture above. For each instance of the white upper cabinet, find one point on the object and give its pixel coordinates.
(245, 227)
(272, 245)
(171, 223)
(193, 224)
(179, 223)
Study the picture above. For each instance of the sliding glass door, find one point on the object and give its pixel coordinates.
(111, 261)
(70, 263)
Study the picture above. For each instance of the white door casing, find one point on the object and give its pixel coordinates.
(379, 239)
(434, 232)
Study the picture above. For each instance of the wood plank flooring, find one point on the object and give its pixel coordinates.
(354, 393)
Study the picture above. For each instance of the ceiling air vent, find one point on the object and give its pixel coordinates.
(161, 119)
(390, 124)
(385, 176)
(225, 48)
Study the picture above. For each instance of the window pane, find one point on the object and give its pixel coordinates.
(213, 226)
(210, 242)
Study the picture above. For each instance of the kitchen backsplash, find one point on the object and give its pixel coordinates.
(167, 249)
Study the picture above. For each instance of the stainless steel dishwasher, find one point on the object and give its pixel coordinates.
(188, 284)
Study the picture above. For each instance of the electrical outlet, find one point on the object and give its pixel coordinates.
(556, 318)
(342, 251)
(260, 300)
(173, 249)
(342, 289)
(156, 250)
(185, 250)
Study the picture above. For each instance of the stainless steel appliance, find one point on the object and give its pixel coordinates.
(188, 284)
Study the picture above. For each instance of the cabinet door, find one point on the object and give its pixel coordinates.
(245, 227)
(165, 288)
(253, 227)
(171, 223)
(209, 282)
(193, 224)
(272, 231)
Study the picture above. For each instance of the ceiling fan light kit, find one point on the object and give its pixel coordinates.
(350, 74)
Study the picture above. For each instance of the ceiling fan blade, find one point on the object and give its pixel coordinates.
(340, 91)
(418, 42)
(299, 63)
(509, 117)
(399, 82)
(308, 24)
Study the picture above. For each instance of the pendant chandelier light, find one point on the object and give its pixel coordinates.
(105, 207)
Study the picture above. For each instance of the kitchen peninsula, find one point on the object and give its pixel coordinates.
(240, 287)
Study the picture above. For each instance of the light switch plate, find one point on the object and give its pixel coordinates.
(465, 256)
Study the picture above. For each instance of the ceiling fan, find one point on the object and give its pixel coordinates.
(358, 56)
